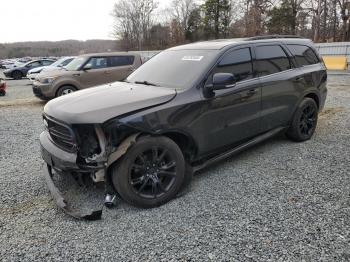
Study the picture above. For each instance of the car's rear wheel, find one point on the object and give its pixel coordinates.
(65, 90)
(17, 75)
(2, 93)
(151, 172)
(304, 121)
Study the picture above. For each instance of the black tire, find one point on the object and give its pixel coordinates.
(17, 75)
(304, 121)
(151, 172)
(64, 90)
(2, 93)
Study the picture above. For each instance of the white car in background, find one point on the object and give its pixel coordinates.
(9, 64)
(33, 73)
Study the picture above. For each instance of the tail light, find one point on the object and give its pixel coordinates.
(3, 85)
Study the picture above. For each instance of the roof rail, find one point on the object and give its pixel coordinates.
(262, 37)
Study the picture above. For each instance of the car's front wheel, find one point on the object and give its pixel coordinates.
(65, 90)
(304, 121)
(151, 172)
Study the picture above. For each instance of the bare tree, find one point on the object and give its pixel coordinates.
(133, 20)
(182, 10)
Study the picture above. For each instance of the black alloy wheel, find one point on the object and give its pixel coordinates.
(307, 120)
(17, 75)
(304, 121)
(151, 172)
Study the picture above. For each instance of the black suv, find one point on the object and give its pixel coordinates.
(187, 107)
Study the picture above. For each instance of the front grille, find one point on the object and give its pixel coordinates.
(61, 134)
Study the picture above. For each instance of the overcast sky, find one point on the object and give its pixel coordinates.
(53, 20)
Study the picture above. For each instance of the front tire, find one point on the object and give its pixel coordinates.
(65, 90)
(304, 121)
(151, 172)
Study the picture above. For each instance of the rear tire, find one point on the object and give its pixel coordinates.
(304, 121)
(17, 75)
(2, 93)
(65, 90)
(151, 172)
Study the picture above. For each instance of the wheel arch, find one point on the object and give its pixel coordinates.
(185, 142)
(315, 97)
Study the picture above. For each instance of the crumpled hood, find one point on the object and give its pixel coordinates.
(99, 104)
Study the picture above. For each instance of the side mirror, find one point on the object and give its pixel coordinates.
(87, 67)
(223, 81)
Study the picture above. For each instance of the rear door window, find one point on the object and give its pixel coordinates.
(271, 59)
(121, 60)
(304, 55)
(237, 62)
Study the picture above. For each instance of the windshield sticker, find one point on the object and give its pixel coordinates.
(192, 58)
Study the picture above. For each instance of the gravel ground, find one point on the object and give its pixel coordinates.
(279, 201)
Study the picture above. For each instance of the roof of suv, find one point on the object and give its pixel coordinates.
(221, 43)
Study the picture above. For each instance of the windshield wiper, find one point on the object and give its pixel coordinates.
(145, 83)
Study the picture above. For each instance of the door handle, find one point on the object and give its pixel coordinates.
(252, 92)
(298, 79)
(248, 94)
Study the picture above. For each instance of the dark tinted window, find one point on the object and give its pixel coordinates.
(237, 62)
(271, 59)
(121, 60)
(303, 54)
(34, 64)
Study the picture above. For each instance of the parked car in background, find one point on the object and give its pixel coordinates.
(33, 73)
(9, 64)
(86, 71)
(186, 108)
(21, 70)
(2, 87)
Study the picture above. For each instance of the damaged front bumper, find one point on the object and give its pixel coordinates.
(60, 162)
(62, 203)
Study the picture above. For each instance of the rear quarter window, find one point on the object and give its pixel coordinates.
(304, 55)
(121, 60)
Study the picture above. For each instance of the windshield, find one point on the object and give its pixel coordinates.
(175, 69)
(75, 64)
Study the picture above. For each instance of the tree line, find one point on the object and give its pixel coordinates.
(139, 26)
(58, 48)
